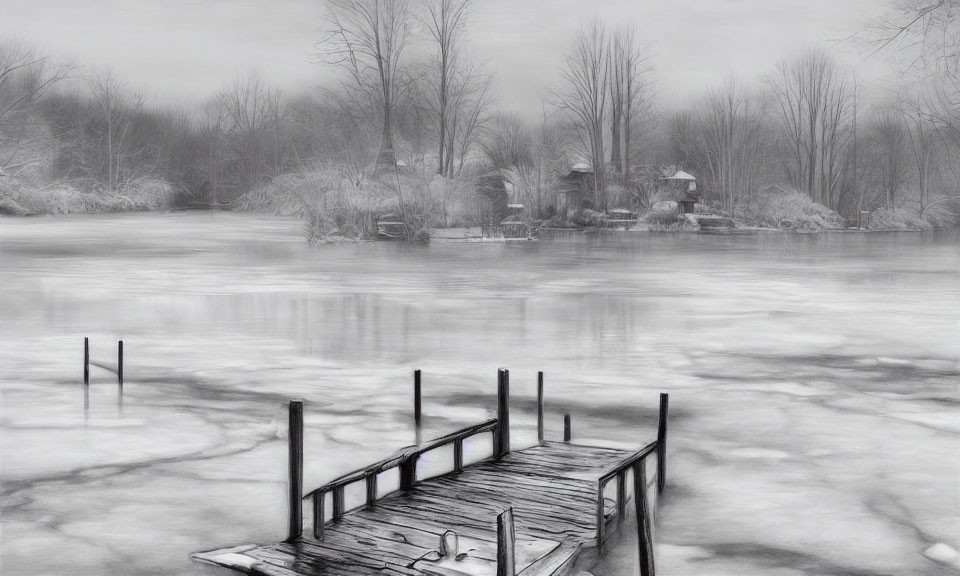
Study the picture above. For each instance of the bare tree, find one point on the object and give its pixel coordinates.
(209, 125)
(888, 134)
(731, 123)
(367, 39)
(813, 98)
(584, 99)
(26, 75)
(507, 145)
(924, 35)
(924, 32)
(629, 93)
(252, 116)
(471, 115)
(445, 21)
(119, 104)
(683, 135)
(921, 138)
(617, 84)
(550, 144)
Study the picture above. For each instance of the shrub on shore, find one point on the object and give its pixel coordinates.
(662, 214)
(786, 209)
(20, 199)
(942, 215)
(337, 209)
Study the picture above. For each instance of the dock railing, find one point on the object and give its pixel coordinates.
(406, 460)
(637, 463)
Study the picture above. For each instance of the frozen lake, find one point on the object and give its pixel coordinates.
(815, 409)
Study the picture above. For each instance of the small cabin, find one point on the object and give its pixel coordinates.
(576, 188)
(685, 186)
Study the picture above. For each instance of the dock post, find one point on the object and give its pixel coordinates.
(371, 483)
(318, 515)
(503, 412)
(408, 473)
(120, 364)
(644, 535)
(621, 496)
(601, 518)
(458, 455)
(416, 404)
(566, 427)
(295, 444)
(662, 443)
(540, 408)
(86, 361)
(506, 563)
(339, 503)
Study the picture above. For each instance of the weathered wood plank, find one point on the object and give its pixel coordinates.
(552, 490)
(506, 535)
(645, 538)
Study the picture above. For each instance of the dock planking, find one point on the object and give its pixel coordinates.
(531, 511)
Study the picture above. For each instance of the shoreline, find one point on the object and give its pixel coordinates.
(450, 234)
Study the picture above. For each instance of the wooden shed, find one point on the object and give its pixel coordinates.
(576, 188)
(685, 185)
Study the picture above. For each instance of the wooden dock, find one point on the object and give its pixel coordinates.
(532, 511)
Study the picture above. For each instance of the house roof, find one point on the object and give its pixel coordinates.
(680, 175)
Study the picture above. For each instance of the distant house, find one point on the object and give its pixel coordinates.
(575, 189)
(685, 187)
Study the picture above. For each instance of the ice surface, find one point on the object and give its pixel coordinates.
(813, 381)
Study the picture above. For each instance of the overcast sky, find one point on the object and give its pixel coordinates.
(183, 50)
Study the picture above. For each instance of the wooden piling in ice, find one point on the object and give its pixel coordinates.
(295, 461)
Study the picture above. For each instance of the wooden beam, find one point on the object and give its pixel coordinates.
(86, 361)
(621, 496)
(408, 472)
(371, 483)
(540, 408)
(416, 405)
(295, 458)
(645, 537)
(318, 514)
(600, 518)
(566, 428)
(339, 503)
(506, 536)
(458, 455)
(120, 364)
(397, 460)
(662, 443)
(503, 412)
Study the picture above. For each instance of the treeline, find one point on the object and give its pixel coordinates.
(429, 103)
(805, 126)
